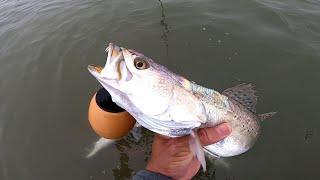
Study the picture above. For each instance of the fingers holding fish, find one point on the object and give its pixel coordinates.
(212, 135)
(172, 157)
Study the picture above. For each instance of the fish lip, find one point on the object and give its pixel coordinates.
(113, 53)
(95, 68)
(113, 58)
(127, 55)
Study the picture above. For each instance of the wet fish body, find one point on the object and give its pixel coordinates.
(171, 105)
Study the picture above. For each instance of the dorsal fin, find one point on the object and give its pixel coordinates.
(209, 95)
(244, 94)
(203, 90)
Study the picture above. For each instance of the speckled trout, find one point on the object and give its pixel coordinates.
(171, 105)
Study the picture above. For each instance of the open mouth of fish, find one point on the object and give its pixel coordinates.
(115, 67)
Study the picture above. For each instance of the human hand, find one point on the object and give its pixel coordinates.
(172, 156)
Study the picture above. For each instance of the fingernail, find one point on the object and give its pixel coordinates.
(224, 129)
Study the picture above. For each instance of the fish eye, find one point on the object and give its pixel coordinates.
(140, 63)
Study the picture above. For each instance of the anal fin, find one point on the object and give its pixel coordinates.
(197, 149)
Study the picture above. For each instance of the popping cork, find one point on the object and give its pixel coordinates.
(106, 118)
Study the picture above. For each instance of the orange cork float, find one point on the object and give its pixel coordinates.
(106, 118)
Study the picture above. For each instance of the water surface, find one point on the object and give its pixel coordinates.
(45, 86)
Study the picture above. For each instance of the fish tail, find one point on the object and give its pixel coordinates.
(266, 115)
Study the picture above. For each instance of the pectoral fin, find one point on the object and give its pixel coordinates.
(186, 108)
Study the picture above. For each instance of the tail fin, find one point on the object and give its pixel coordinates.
(197, 149)
(266, 115)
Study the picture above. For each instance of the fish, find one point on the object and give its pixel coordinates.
(171, 105)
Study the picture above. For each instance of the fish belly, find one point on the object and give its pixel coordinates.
(245, 129)
(227, 148)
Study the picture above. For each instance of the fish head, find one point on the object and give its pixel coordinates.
(135, 81)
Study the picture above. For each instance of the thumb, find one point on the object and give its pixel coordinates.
(214, 134)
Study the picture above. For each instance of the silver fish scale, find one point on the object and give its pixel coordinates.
(180, 132)
(197, 88)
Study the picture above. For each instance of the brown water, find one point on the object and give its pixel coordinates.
(45, 86)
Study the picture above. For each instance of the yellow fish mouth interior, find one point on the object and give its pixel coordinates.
(95, 68)
(115, 67)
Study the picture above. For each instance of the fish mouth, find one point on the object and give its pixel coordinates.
(95, 68)
(115, 67)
